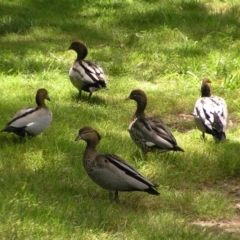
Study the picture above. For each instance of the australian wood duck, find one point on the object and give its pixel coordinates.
(210, 113)
(149, 133)
(31, 121)
(110, 171)
(85, 75)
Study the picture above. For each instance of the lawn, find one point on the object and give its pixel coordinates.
(162, 47)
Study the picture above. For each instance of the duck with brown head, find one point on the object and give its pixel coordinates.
(110, 171)
(210, 113)
(85, 75)
(31, 121)
(149, 133)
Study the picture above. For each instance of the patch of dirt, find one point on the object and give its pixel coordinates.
(184, 122)
(232, 189)
(230, 226)
(181, 122)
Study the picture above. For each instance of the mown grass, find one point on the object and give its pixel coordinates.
(163, 47)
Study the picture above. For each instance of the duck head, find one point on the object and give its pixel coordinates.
(41, 95)
(80, 48)
(88, 134)
(140, 97)
(137, 95)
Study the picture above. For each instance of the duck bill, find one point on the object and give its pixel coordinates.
(78, 138)
(128, 98)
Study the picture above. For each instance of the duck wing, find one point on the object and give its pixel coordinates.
(211, 116)
(113, 173)
(20, 118)
(221, 110)
(204, 113)
(154, 132)
(31, 120)
(88, 72)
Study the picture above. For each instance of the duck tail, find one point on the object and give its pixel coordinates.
(219, 136)
(152, 191)
(5, 129)
(217, 129)
(18, 131)
(223, 136)
(177, 148)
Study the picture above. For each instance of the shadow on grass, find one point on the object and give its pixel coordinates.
(192, 19)
(57, 185)
(95, 99)
(197, 17)
(61, 191)
(50, 181)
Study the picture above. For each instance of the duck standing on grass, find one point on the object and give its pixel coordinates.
(85, 75)
(110, 171)
(31, 121)
(149, 133)
(210, 113)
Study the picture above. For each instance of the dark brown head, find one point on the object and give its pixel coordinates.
(138, 95)
(141, 98)
(89, 135)
(80, 48)
(41, 95)
(206, 87)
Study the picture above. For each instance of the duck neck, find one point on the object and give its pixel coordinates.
(140, 109)
(206, 90)
(40, 102)
(81, 53)
(91, 147)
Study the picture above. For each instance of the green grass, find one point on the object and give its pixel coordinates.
(163, 47)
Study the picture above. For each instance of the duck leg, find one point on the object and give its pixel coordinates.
(144, 155)
(116, 196)
(113, 198)
(89, 96)
(80, 94)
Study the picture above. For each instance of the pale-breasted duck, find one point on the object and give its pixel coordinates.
(149, 133)
(210, 113)
(110, 171)
(85, 75)
(31, 121)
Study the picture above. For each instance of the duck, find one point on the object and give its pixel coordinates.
(109, 171)
(31, 121)
(149, 133)
(211, 113)
(85, 75)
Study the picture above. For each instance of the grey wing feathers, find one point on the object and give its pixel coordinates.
(212, 113)
(155, 132)
(93, 70)
(128, 169)
(221, 110)
(162, 130)
(204, 110)
(19, 119)
(114, 174)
